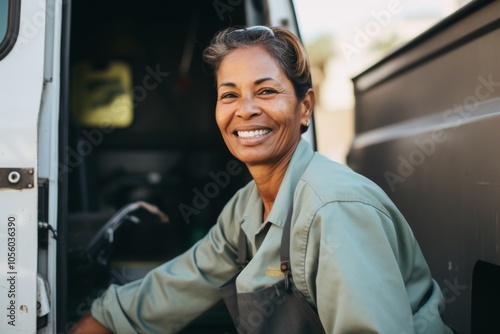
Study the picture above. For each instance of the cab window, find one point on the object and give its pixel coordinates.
(9, 25)
(4, 11)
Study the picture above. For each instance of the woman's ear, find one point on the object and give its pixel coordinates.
(307, 106)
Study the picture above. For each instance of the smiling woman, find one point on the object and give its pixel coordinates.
(257, 110)
(292, 250)
(265, 100)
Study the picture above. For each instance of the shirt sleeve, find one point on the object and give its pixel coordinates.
(175, 293)
(367, 273)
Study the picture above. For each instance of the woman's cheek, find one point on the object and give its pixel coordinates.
(218, 114)
(222, 119)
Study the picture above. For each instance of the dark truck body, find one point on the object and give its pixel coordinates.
(427, 131)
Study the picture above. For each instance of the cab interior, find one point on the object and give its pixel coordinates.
(159, 145)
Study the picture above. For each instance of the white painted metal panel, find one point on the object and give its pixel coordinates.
(48, 160)
(21, 81)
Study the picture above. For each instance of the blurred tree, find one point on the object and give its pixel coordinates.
(320, 50)
(387, 44)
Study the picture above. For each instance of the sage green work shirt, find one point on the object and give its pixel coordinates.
(353, 257)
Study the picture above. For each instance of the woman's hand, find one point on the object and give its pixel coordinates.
(88, 325)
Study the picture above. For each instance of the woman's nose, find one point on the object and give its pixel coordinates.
(248, 108)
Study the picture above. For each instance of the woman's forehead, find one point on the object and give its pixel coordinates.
(250, 62)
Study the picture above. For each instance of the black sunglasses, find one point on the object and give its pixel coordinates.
(254, 28)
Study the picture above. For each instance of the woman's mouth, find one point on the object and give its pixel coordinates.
(253, 134)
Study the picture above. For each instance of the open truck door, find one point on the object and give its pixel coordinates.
(28, 136)
(30, 76)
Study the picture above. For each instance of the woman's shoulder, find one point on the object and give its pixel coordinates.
(329, 181)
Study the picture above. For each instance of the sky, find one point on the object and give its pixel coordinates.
(333, 16)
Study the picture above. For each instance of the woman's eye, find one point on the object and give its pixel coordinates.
(267, 91)
(227, 96)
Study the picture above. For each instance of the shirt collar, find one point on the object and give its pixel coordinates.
(283, 202)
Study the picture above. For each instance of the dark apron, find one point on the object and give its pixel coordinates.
(280, 308)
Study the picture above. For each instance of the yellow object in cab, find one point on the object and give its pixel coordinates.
(102, 96)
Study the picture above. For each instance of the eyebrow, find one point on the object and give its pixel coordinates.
(256, 82)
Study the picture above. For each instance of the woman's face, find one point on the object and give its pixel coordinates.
(257, 110)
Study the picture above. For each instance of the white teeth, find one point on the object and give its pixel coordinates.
(250, 134)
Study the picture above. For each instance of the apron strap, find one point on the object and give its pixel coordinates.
(286, 268)
(242, 260)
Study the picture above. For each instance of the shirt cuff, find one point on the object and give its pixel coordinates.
(108, 312)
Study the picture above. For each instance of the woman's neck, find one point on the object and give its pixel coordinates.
(268, 180)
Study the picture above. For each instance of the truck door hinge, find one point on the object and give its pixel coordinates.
(17, 178)
(43, 212)
(47, 226)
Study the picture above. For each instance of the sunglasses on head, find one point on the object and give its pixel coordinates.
(254, 28)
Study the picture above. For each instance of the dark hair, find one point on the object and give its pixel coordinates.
(280, 43)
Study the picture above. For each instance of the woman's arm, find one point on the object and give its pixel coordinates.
(370, 274)
(175, 293)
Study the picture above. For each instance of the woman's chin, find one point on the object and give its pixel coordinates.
(253, 157)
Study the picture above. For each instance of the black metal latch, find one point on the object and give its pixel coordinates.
(17, 178)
